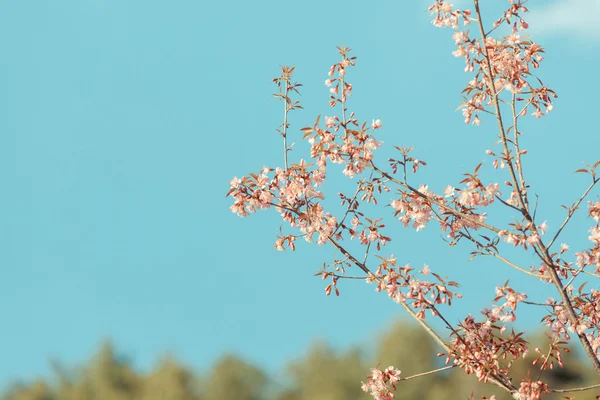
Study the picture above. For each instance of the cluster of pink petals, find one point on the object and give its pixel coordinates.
(505, 312)
(414, 208)
(354, 145)
(594, 210)
(457, 224)
(283, 241)
(527, 235)
(558, 320)
(587, 309)
(591, 257)
(402, 286)
(466, 48)
(480, 346)
(354, 148)
(346, 88)
(595, 234)
(294, 194)
(445, 15)
(531, 390)
(380, 383)
(250, 193)
(594, 339)
(511, 59)
(478, 196)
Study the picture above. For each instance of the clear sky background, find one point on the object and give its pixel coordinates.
(122, 122)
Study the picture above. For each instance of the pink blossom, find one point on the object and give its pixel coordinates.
(594, 210)
(460, 52)
(376, 124)
(537, 113)
(514, 39)
(235, 182)
(380, 383)
(595, 234)
(533, 239)
(530, 390)
(330, 122)
(279, 245)
(449, 191)
(372, 144)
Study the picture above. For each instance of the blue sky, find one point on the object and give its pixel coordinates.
(123, 121)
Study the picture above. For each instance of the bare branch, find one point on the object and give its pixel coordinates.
(571, 212)
(581, 389)
(428, 372)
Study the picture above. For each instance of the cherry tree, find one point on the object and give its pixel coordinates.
(503, 90)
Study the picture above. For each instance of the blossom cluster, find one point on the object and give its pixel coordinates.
(402, 286)
(502, 64)
(532, 390)
(523, 234)
(591, 256)
(479, 347)
(382, 384)
(505, 311)
(342, 140)
(414, 208)
(294, 194)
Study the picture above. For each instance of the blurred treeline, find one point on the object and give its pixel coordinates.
(320, 373)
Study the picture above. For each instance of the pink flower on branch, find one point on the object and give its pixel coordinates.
(382, 384)
(531, 390)
(594, 210)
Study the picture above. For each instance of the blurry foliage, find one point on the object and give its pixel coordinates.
(321, 373)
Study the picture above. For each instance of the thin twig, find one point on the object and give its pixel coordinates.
(428, 372)
(570, 213)
(506, 204)
(350, 206)
(285, 123)
(581, 389)
(498, 256)
(518, 163)
(346, 277)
